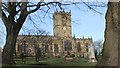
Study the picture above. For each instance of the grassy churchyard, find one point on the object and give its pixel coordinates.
(54, 62)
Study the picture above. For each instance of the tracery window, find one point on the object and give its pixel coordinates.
(55, 47)
(78, 47)
(68, 45)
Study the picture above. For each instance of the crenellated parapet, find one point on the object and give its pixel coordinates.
(62, 13)
(83, 38)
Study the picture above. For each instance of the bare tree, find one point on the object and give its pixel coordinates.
(0, 55)
(15, 13)
(13, 16)
(110, 48)
(0, 38)
(98, 46)
(0, 48)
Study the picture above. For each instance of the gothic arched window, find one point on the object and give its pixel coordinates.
(68, 45)
(46, 48)
(87, 47)
(55, 47)
(18, 47)
(78, 47)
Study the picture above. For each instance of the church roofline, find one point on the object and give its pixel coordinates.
(36, 35)
(55, 36)
(83, 38)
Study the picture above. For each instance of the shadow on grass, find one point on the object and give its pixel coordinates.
(38, 64)
(44, 66)
(52, 63)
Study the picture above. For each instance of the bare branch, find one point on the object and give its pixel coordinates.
(4, 7)
(91, 7)
(4, 18)
(37, 7)
(18, 4)
(23, 15)
(9, 6)
(45, 4)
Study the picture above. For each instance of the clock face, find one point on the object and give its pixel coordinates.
(64, 28)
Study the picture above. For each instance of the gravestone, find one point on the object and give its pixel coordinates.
(68, 57)
(91, 53)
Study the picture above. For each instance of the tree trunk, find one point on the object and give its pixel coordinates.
(9, 48)
(110, 48)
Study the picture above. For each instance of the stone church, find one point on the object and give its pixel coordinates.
(59, 44)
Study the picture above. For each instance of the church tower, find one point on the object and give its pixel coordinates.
(62, 24)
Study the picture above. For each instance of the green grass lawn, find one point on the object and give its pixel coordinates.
(55, 62)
